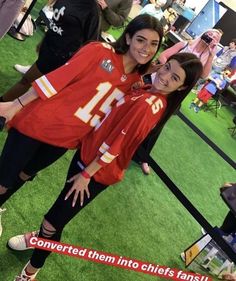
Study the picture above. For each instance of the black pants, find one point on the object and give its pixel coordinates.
(49, 60)
(22, 153)
(62, 211)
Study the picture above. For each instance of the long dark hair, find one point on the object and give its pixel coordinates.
(193, 69)
(140, 22)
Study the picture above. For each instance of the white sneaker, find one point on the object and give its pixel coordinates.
(1, 211)
(182, 255)
(22, 68)
(21, 242)
(25, 277)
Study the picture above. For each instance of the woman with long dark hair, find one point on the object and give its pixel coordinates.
(106, 152)
(69, 102)
(204, 47)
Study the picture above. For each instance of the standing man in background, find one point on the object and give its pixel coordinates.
(114, 12)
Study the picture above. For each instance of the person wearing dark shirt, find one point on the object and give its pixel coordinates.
(8, 13)
(74, 23)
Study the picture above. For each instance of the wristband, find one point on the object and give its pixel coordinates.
(20, 102)
(85, 174)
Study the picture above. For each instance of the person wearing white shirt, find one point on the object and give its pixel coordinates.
(154, 9)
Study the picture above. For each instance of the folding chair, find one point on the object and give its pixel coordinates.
(214, 104)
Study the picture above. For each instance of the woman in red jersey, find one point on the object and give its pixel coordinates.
(69, 102)
(106, 152)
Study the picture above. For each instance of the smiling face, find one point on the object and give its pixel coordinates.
(169, 78)
(142, 46)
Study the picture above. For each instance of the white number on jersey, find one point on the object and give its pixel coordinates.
(155, 103)
(85, 113)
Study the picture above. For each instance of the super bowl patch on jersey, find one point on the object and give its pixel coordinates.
(107, 65)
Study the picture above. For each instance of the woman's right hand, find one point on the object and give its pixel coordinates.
(9, 109)
(79, 188)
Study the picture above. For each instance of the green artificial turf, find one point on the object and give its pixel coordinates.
(215, 127)
(138, 218)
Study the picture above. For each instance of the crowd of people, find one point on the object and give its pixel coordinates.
(108, 119)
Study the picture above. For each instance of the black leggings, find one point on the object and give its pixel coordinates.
(62, 211)
(22, 153)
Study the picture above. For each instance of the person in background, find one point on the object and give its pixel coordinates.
(74, 23)
(224, 57)
(154, 9)
(181, 2)
(232, 67)
(228, 231)
(47, 10)
(114, 12)
(204, 47)
(216, 81)
(168, 4)
(106, 152)
(169, 17)
(9, 10)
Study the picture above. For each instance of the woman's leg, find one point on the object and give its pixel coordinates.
(16, 153)
(22, 157)
(61, 213)
(23, 85)
(44, 156)
(9, 192)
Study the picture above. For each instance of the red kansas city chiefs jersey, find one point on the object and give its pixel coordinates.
(120, 134)
(75, 97)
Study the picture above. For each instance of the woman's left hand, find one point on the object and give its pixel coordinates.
(79, 187)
